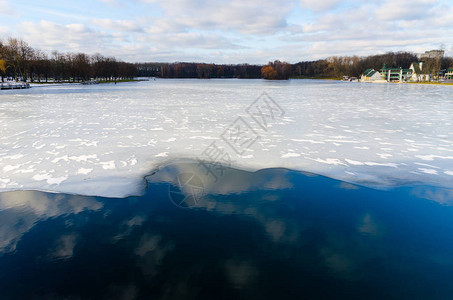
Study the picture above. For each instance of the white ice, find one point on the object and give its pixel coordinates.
(102, 139)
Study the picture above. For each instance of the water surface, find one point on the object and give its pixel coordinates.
(271, 234)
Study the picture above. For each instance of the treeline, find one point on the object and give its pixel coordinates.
(339, 66)
(197, 70)
(332, 67)
(19, 61)
(354, 66)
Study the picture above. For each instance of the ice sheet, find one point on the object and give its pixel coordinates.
(102, 139)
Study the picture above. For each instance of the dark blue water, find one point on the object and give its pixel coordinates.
(272, 234)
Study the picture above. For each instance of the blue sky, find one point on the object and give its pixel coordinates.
(230, 31)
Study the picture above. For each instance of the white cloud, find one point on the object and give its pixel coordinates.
(354, 31)
(327, 22)
(110, 2)
(22, 210)
(247, 17)
(119, 25)
(6, 9)
(189, 40)
(4, 31)
(319, 6)
(369, 226)
(71, 37)
(64, 248)
(391, 10)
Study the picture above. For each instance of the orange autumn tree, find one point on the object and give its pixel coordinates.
(2, 62)
(276, 70)
(2, 65)
(268, 72)
(2, 68)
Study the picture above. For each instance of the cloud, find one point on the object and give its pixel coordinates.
(6, 9)
(240, 273)
(194, 40)
(441, 195)
(368, 226)
(319, 6)
(126, 39)
(119, 25)
(71, 37)
(110, 2)
(151, 252)
(231, 182)
(391, 10)
(327, 22)
(21, 211)
(128, 226)
(352, 32)
(247, 17)
(4, 31)
(64, 247)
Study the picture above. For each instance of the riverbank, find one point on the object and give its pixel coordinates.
(315, 77)
(99, 81)
(121, 80)
(431, 82)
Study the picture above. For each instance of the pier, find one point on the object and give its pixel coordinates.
(15, 85)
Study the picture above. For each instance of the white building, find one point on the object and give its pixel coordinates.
(449, 74)
(437, 54)
(370, 75)
(418, 74)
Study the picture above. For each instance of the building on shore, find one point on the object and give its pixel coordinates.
(438, 54)
(371, 75)
(395, 74)
(426, 69)
(418, 73)
(14, 85)
(449, 74)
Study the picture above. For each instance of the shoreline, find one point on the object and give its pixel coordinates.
(291, 78)
(431, 83)
(98, 81)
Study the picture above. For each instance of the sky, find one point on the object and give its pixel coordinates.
(230, 31)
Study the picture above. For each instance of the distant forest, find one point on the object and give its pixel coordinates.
(332, 67)
(21, 62)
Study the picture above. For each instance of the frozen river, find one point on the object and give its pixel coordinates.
(102, 139)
